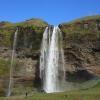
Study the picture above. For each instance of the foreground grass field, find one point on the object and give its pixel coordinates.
(86, 94)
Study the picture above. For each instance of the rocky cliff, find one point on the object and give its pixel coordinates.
(26, 64)
(81, 46)
(81, 39)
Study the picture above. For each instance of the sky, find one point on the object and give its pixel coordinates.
(52, 11)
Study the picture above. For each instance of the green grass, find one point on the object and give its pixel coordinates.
(8, 29)
(76, 30)
(87, 94)
(5, 24)
(84, 19)
(4, 67)
(32, 22)
(4, 73)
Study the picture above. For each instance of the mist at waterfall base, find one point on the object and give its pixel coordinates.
(52, 71)
(10, 87)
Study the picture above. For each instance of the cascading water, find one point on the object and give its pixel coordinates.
(44, 48)
(52, 61)
(12, 65)
(44, 54)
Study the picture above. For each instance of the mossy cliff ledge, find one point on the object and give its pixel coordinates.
(81, 39)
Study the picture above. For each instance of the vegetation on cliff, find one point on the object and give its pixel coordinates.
(7, 29)
(81, 44)
(81, 39)
(4, 67)
(83, 28)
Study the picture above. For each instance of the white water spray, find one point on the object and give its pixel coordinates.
(12, 65)
(52, 61)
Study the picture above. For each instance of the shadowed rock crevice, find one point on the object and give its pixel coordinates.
(78, 76)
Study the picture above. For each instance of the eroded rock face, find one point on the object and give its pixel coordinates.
(25, 69)
(81, 48)
(26, 65)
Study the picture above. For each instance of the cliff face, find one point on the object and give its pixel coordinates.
(81, 46)
(26, 64)
(81, 39)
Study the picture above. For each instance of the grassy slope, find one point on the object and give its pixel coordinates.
(76, 28)
(7, 29)
(84, 19)
(4, 66)
(88, 94)
(4, 73)
(33, 22)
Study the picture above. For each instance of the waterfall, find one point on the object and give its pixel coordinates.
(52, 62)
(44, 54)
(12, 65)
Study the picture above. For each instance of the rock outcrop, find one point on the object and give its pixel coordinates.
(81, 46)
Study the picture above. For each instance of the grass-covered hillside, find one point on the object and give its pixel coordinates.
(33, 22)
(7, 29)
(87, 27)
(87, 94)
